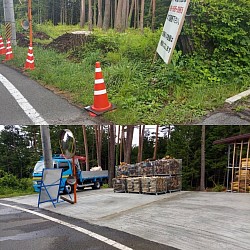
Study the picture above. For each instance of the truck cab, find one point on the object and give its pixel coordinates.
(58, 162)
(95, 179)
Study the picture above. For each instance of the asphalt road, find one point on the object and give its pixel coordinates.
(22, 98)
(25, 230)
(225, 118)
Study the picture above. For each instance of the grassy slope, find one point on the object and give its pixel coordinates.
(144, 92)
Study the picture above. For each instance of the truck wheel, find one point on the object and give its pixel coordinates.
(97, 185)
(68, 189)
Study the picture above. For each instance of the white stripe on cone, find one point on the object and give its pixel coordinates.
(100, 92)
(29, 61)
(99, 81)
(98, 70)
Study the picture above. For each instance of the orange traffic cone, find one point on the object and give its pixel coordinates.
(2, 48)
(29, 64)
(101, 103)
(9, 54)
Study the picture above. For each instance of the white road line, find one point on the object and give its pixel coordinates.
(34, 116)
(79, 229)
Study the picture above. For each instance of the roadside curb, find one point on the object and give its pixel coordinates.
(237, 97)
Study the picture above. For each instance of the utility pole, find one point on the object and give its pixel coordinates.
(9, 19)
(47, 152)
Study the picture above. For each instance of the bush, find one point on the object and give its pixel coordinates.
(218, 188)
(11, 185)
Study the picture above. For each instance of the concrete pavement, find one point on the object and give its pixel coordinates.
(184, 220)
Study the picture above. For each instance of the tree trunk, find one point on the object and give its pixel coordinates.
(99, 21)
(118, 146)
(128, 144)
(141, 138)
(107, 13)
(124, 15)
(118, 17)
(142, 15)
(98, 138)
(94, 16)
(132, 6)
(111, 167)
(82, 14)
(90, 17)
(86, 146)
(156, 142)
(203, 141)
(122, 143)
(153, 14)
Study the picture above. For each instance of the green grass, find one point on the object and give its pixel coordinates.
(8, 192)
(144, 92)
(55, 31)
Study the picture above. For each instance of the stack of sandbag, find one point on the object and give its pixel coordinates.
(122, 170)
(119, 185)
(174, 183)
(154, 184)
(134, 185)
(145, 168)
(167, 167)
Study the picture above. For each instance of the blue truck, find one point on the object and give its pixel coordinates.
(94, 179)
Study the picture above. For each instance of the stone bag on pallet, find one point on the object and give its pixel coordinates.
(145, 168)
(120, 185)
(122, 170)
(167, 167)
(174, 183)
(134, 185)
(154, 184)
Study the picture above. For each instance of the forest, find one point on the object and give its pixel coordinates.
(20, 148)
(118, 14)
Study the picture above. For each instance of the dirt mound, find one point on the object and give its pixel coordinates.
(41, 35)
(68, 41)
(22, 40)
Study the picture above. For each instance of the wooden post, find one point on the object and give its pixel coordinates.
(232, 179)
(248, 145)
(228, 164)
(241, 147)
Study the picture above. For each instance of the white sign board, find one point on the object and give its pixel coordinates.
(172, 29)
(50, 185)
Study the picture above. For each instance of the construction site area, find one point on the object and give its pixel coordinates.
(184, 220)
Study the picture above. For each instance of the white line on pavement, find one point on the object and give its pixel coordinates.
(79, 229)
(35, 117)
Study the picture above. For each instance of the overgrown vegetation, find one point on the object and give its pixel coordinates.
(10, 185)
(146, 90)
